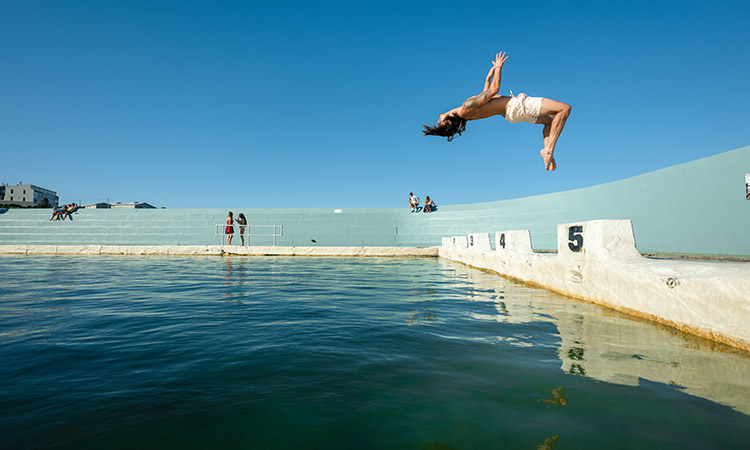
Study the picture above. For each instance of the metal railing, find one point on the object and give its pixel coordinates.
(277, 231)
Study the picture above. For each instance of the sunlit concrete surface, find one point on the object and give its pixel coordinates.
(216, 250)
(597, 261)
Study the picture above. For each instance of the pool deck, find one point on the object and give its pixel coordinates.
(217, 250)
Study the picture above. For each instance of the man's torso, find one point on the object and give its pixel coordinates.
(496, 106)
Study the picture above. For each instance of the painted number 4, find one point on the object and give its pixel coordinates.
(575, 238)
(502, 240)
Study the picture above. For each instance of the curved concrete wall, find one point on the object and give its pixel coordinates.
(694, 208)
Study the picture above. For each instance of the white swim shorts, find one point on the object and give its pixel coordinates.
(523, 108)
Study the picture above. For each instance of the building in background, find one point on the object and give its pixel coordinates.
(136, 205)
(96, 206)
(27, 195)
(131, 205)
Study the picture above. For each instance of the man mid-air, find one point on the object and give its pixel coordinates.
(550, 113)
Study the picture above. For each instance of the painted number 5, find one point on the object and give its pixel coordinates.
(575, 238)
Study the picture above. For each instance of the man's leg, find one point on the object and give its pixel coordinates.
(559, 112)
(547, 122)
(545, 134)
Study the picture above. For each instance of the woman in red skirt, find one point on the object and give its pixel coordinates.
(229, 230)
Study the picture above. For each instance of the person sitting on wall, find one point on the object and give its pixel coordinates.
(429, 205)
(69, 210)
(56, 212)
(413, 202)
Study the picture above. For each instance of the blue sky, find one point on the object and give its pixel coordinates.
(305, 104)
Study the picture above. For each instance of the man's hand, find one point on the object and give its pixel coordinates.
(490, 88)
(500, 59)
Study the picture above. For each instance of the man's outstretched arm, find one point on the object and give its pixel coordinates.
(490, 88)
(488, 81)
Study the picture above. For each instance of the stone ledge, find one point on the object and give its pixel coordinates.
(217, 250)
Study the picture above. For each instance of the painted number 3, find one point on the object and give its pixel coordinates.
(575, 238)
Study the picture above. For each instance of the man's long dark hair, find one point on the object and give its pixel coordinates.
(451, 126)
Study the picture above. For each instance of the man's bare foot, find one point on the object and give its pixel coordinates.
(549, 160)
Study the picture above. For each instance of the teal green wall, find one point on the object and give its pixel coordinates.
(697, 207)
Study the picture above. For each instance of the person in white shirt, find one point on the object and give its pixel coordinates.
(413, 202)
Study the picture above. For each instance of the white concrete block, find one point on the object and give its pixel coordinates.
(479, 242)
(14, 249)
(154, 250)
(42, 250)
(90, 250)
(208, 250)
(460, 242)
(597, 239)
(513, 241)
(115, 250)
(447, 242)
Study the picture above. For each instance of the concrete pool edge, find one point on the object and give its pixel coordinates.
(217, 250)
(597, 261)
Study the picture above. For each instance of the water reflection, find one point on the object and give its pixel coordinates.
(235, 281)
(558, 398)
(549, 443)
(605, 345)
(421, 296)
(421, 314)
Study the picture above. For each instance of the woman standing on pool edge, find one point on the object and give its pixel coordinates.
(229, 230)
(241, 221)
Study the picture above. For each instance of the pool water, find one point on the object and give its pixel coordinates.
(370, 353)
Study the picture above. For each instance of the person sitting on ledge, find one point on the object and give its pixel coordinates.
(57, 212)
(429, 205)
(543, 111)
(413, 202)
(69, 210)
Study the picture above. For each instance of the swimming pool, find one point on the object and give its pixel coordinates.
(171, 352)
